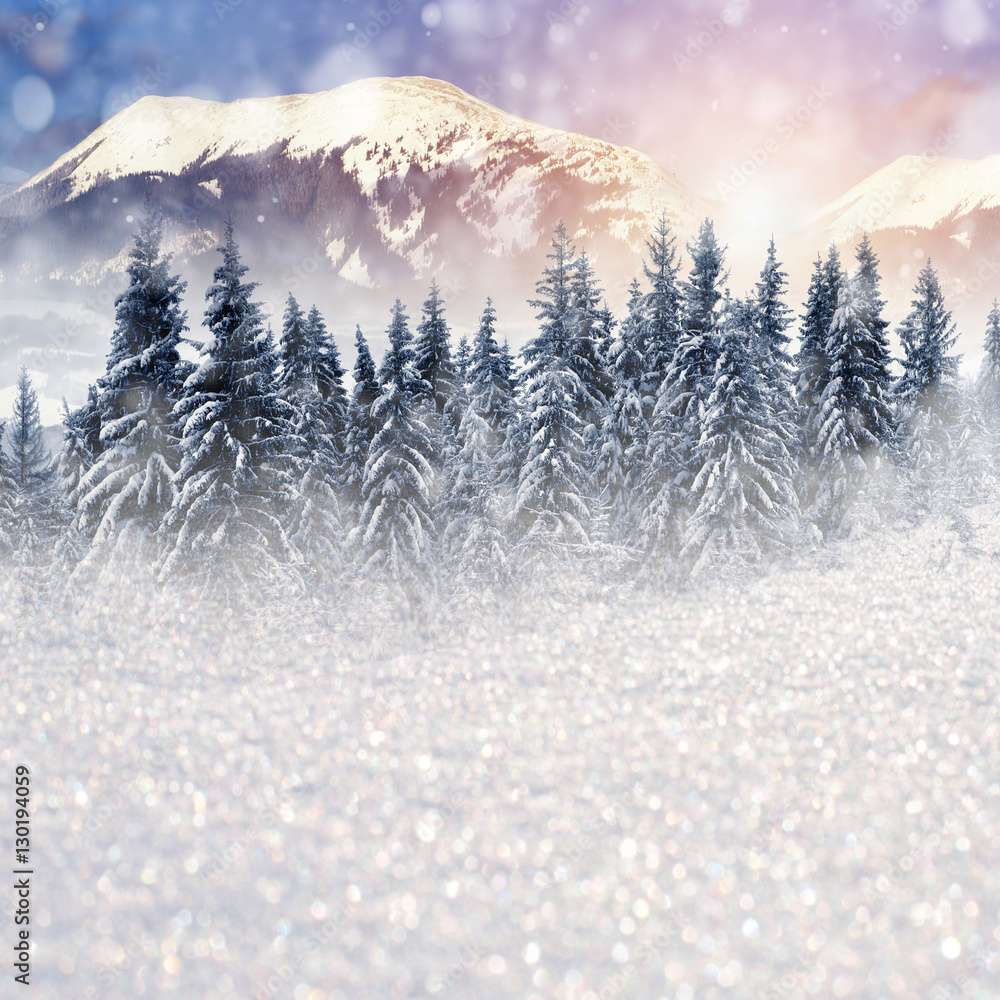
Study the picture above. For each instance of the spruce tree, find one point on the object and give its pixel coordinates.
(689, 378)
(855, 417)
(929, 396)
(8, 503)
(556, 313)
(661, 312)
(554, 485)
(490, 384)
(434, 366)
(771, 319)
(225, 532)
(25, 438)
(81, 445)
(621, 468)
(129, 489)
(330, 374)
(773, 316)
(588, 345)
(400, 360)
(361, 425)
(745, 503)
(811, 373)
(988, 383)
(395, 528)
(308, 368)
(554, 492)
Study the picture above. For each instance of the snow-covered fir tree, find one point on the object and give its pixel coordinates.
(933, 409)
(24, 438)
(463, 360)
(929, 371)
(988, 382)
(771, 319)
(399, 364)
(127, 492)
(683, 395)
(855, 416)
(361, 425)
(472, 512)
(435, 366)
(774, 317)
(330, 374)
(225, 533)
(395, 528)
(588, 346)
(34, 518)
(315, 525)
(745, 503)
(556, 313)
(555, 491)
(661, 312)
(8, 503)
(81, 445)
(621, 468)
(811, 369)
(490, 383)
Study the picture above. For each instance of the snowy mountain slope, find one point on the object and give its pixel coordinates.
(922, 207)
(914, 192)
(390, 176)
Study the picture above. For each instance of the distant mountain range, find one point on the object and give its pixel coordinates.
(917, 207)
(384, 183)
(390, 178)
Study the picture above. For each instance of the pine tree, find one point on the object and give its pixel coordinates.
(556, 314)
(689, 379)
(297, 378)
(588, 346)
(553, 497)
(490, 383)
(624, 435)
(8, 503)
(553, 501)
(773, 316)
(812, 367)
(661, 313)
(855, 418)
(463, 361)
(929, 397)
(127, 492)
(435, 366)
(396, 527)
(310, 365)
(988, 383)
(81, 445)
(399, 364)
(361, 424)
(330, 374)
(25, 438)
(225, 531)
(472, 512)
(745, 503)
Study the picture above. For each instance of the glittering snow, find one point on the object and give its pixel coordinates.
(789, 785)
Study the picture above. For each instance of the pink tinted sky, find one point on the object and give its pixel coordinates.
(820, 93)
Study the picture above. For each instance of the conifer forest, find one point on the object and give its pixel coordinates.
(701, 435)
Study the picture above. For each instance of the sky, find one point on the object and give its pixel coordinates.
(774, 107)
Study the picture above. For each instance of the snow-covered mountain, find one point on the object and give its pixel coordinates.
(917, 207)
(389, 178)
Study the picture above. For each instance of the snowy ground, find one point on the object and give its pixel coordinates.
(788, 789)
